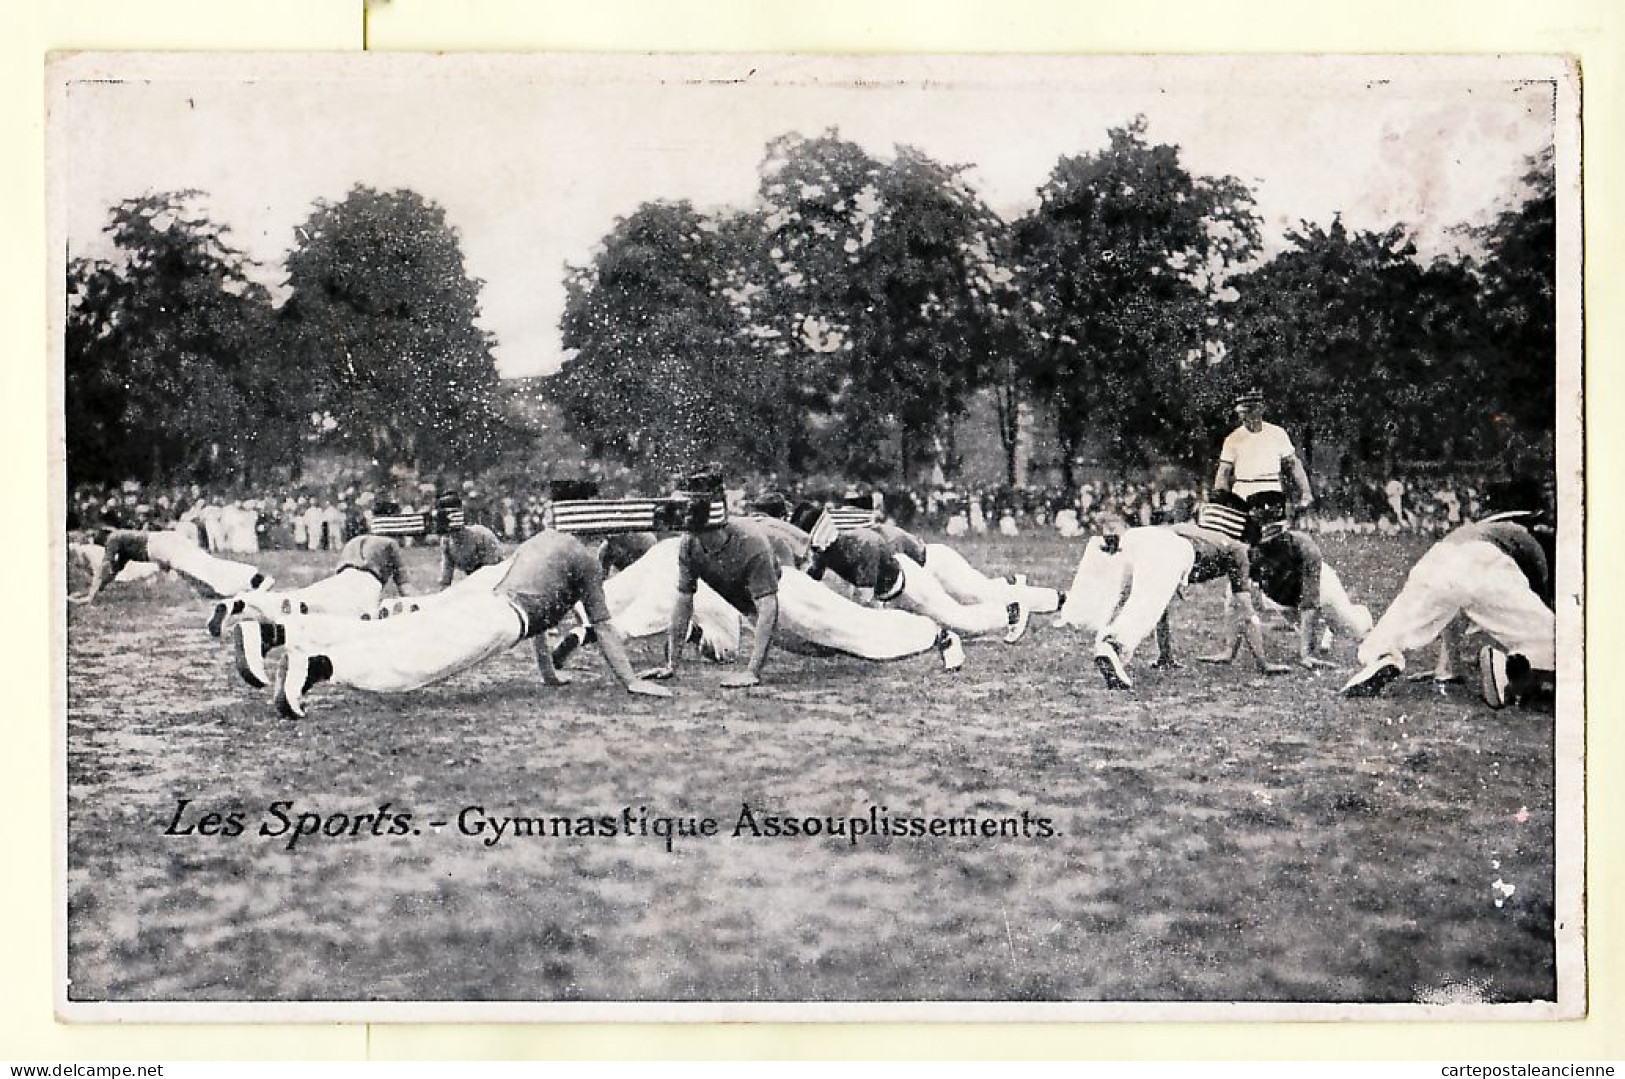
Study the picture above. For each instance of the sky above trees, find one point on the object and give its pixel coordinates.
(533, 171)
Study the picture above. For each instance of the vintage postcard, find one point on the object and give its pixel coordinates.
(566, 537)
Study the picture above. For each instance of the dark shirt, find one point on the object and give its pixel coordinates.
(468, 549)
(621, 550)
(861, 558)
(377, 555)
(790, 544)
(1287, 570)
(902, 542)
(550, 573)
(736, 560)
(122, 548)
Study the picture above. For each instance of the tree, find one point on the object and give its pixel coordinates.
(1362, 343)
(165, 348)
(833, 326)
(819, 203)
(663, 374)
(1123, 261)
(1520, 298)
(383, 319)
(880, 289)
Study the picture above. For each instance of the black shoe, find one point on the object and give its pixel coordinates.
(1018, 616)
(1110, 665)
(217, 619)
(300, 673)
(1369, 681)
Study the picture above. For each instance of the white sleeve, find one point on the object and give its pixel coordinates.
(1227, 452)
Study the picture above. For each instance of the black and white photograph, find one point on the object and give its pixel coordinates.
(764, 537)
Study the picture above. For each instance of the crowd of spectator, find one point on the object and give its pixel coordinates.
(294, 516)
(1402, 503)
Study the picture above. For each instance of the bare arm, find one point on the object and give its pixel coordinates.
(676, 636)
(544, 662)
(1300, 479)
(613, 648)
(1222, 478)
(767, 622)
(1308, 626)
(1252, 630)
(103, 575)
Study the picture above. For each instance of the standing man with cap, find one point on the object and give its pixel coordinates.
(1257, 455)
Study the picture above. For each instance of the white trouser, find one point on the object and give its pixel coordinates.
(923, 594)
(967, 584)
(482, 580)
(215, 576)
(1248, 488)
(1345, 616)
(642, 596)
(396, 655)
(349, 593)
(815, 621)
(1124, 595)
(1479, 580)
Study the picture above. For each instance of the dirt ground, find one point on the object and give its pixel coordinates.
(1216, 836)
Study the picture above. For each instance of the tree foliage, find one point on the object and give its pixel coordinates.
(835, 325)
(382, 318)
(838, 325)
(1361, 342)
(660, 374)
(166, 373)
(1520, 299)
(1121, 263)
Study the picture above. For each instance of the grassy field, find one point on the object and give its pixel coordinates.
(1218, 836)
